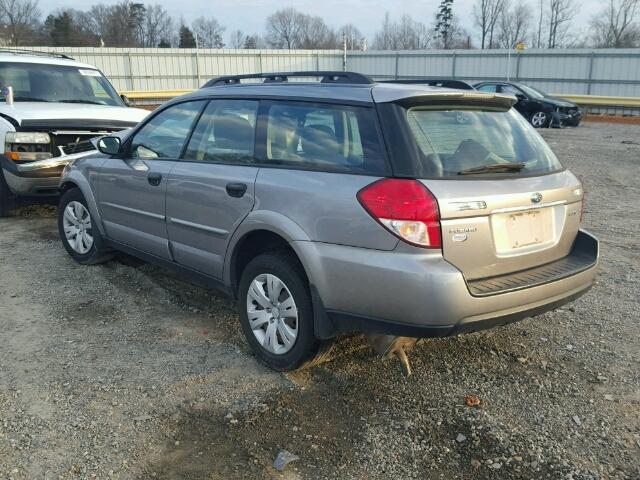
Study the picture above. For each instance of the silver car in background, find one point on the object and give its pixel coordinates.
(338, 206)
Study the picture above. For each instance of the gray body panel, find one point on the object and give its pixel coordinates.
(201, 216)
(131, 209)
(324, 205)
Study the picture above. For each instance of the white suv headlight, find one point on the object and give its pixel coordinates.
(27, 146)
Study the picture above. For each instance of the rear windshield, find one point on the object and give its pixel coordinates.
(478, 142)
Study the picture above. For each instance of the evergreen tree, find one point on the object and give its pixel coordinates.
(444, 22)
(187, 40)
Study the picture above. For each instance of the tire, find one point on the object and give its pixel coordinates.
(74, 215)
(540, 119)
(273, 350)
(7, 199)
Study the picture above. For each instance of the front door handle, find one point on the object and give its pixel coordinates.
(236, 190)
(154, 178)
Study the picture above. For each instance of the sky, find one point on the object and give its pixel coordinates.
(249, 15)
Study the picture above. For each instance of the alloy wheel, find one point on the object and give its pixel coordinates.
(77, 227)
(539, 119)
(272, 314)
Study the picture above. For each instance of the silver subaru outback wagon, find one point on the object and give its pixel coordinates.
(340, 205)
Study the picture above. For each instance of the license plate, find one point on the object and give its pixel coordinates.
(525, 228)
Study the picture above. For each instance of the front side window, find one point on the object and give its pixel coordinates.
(166, 133)
(225, 133)
(324, 137)
(34, 82)
(461, 141)
(510, 90)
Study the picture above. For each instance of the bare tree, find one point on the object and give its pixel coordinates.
(21, 18)
(315, 34)
(486, 14)
(283, 28)
(615, 26)
(237, 39)
(561, 13)
(158, 26)
(538, 39)
(353, 36)
(514, 24)
(406, 34)
(208, 32)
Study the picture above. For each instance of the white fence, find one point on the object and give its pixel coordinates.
(591, 72)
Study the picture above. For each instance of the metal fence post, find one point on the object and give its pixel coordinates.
(132, 87)
(518, 64)
(199, 80)
(397, 62)
(260, 61)
(590, 78)
(453, 65)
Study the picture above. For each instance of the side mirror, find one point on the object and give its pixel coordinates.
(126, 100)
(520, 97)
(109, 145)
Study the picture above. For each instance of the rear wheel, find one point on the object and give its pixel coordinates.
(540, 119)
(80, 239)
(276, 313)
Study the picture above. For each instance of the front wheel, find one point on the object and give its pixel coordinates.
(540, 119)
(276, 312)
(80, 238)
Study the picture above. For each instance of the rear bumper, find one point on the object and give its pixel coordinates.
(422, 295)
(39, 178)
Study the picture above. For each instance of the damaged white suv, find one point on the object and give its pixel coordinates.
(51, 107)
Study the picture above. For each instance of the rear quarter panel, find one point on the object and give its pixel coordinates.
(324, 205)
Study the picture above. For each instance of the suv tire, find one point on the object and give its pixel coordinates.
(266, 327)
(82, 242)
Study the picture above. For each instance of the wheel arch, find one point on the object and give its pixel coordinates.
(261, 231)
(74, 179)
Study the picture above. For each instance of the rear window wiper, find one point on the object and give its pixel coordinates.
(496, 167)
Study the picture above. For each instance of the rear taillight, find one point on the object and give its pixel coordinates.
(406, 208)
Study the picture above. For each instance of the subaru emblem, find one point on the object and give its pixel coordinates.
(536, 197)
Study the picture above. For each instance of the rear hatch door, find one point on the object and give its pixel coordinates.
(492, 227)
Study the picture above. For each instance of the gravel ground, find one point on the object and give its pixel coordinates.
(126, 371)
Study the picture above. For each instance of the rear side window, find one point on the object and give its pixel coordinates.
(324, 137)
(491, 87)
(166, 133)
(225, 133)
(454, 141)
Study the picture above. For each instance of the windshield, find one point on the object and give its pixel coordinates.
(533, 92)
(479, 142)
(33, 82)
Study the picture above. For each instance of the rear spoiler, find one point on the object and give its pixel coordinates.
(434, 82)
(473, 98)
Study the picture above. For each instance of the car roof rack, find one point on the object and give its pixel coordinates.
(281, 77)
(434, 82)
(24, 51)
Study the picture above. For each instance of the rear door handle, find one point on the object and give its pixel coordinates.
(154, 178)
(236, 190)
